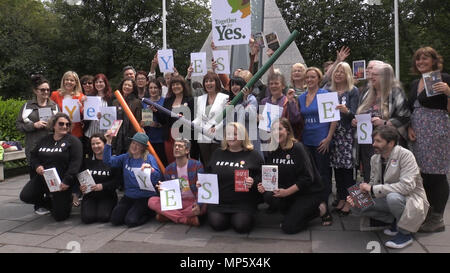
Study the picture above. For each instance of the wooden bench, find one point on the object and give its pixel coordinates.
(10, 156)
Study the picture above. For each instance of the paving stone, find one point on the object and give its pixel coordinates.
(18, 212)
(11, 192)
(220, 244)
(140, 247)
(350, 222)
(89, 237)
(46, 225)
(438, 249)
(206, 229)
(23, 239)
(8, 199)
(6, 225)
(25, 249)
(434, 239)
(173, 228)
(149, 227)
(179, 239)
(129, 236)
(344, 242)
(278, 234)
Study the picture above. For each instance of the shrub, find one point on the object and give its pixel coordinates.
(9, 109)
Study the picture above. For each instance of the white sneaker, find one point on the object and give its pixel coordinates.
(400, 241)
(42, 211)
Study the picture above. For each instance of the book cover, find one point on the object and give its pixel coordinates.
(85, 178)
(45, 113)
(361, 199)
(429, 79)
(272, 41)
(116, 126)
(259, 39)
(147, 116)
(269, 177)
(359, 69)
(239, 180)
(52, 179)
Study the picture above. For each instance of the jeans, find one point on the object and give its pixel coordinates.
(386, 209)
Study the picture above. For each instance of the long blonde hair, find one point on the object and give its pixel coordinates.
(387, 83)
(348, 76)
(242, 135)
(77, 90)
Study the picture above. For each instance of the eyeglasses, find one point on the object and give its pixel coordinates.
(85, 83)
(44, 90)
(62, 124)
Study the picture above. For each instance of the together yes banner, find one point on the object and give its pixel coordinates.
(231, 22)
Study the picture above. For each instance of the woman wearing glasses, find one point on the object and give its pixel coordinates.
(63, 152)
(34, 114)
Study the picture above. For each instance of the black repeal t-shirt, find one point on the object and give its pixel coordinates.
(295, 166)
(224, 163)
(65, 155)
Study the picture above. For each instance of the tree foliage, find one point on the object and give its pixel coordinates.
(96, 36)
(326, 25)
(102, 36)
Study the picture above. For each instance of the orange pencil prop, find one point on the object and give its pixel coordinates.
(138, 128)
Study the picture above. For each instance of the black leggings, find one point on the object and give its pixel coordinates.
(131, 212)
(298, 210)
(437, 189)
(242, 222)
(98, 206)
(344, 180)
(36, 192)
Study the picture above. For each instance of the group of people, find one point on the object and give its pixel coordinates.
(410, 189)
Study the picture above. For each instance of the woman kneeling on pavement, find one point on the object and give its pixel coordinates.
(99, 200)
(64, 152)
(132, 209)
(235, 208)
(300, 186)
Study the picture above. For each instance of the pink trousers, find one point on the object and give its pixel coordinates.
(178, 216)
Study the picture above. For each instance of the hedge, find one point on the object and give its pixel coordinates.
(9, 109)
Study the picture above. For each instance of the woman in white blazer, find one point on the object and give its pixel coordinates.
(207, 108)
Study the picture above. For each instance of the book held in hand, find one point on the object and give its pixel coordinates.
(259, 39)
(85, 178)
(269, 177)
(52, 179)
(429, 79)
(116, 126)
(239, 180)
(45, 113)
(272, 41)
(147, 116)
(361, 199)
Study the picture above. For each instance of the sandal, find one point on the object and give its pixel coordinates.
(327, 219)
(75, 201)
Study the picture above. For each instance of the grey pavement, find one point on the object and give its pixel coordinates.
(21, 230)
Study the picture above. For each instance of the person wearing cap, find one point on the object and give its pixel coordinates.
(132, 209)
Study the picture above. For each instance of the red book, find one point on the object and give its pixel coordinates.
(239, 180)
(361, 199)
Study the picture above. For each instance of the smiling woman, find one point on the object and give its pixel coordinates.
(128, 90)
(70, 88)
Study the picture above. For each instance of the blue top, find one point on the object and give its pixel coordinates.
(126, 162)
(155, 134)
(314, 131)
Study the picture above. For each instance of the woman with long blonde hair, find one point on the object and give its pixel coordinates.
(341, 156)
(387, 103)
(70, 88)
